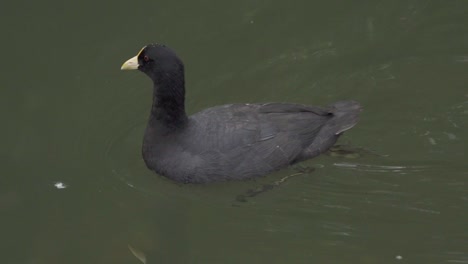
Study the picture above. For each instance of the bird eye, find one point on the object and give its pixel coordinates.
(145, 58)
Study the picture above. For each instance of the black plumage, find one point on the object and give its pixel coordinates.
(228, 142)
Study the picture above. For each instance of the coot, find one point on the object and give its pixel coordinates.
(228, 142)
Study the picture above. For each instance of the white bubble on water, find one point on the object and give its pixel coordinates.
(60, 185)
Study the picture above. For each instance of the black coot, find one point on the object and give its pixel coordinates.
(228, 142)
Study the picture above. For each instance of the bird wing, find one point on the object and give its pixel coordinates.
(250, 138)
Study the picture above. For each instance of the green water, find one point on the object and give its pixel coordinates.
(70, 116)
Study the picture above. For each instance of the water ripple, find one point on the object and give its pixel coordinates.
(381, 168)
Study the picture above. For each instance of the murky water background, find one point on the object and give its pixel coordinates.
(73, 186)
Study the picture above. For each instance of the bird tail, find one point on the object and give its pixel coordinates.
(346, 116)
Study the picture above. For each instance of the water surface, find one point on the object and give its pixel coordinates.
(74, 188)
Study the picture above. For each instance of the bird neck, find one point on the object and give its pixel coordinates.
(168, 109)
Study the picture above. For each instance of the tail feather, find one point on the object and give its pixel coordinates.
(346, 115)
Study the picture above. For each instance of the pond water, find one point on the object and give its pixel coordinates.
(73, 185)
